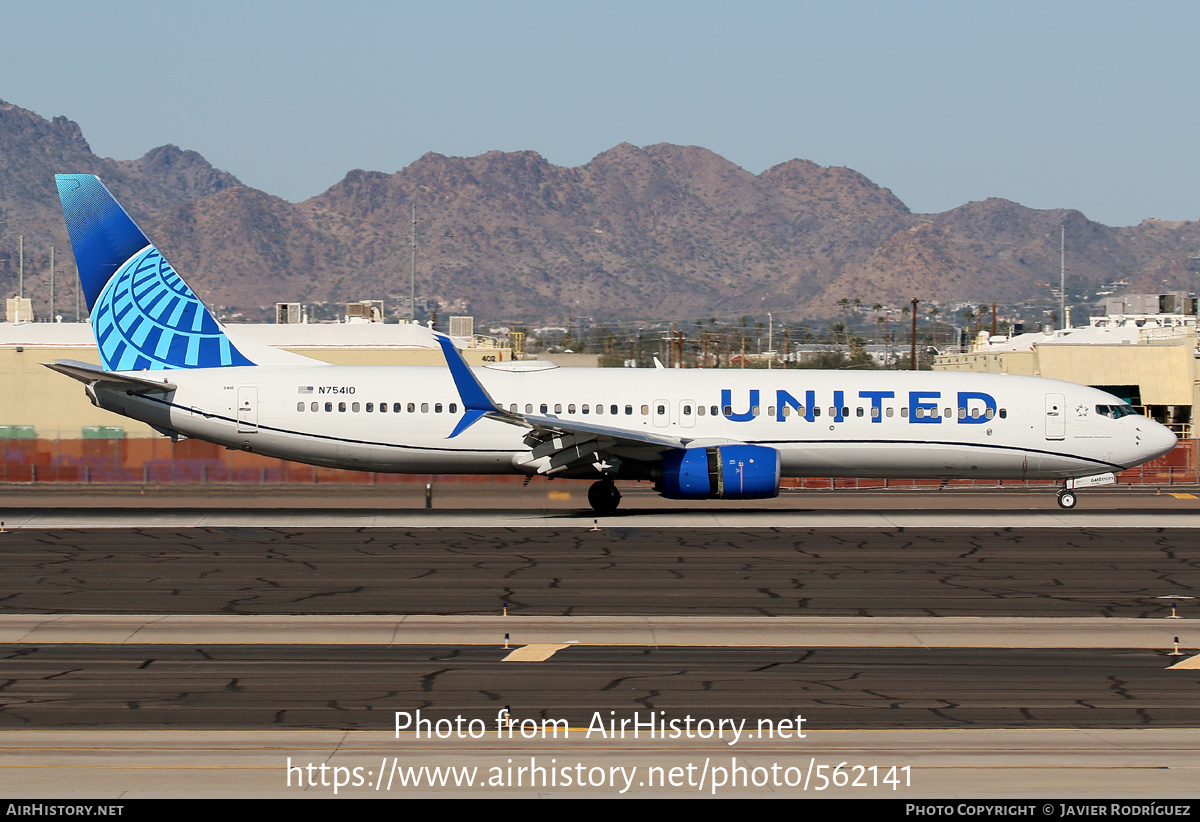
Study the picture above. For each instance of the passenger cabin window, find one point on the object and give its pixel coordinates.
(662, 409)
(424, 408)
(585, 408)
(453, 408)
(558, 408)
(437, 408)
(544, 408)
(299, 406)
(354, 407)
(328, 406)
(314, 407)
(612, 409)
(412, 408)
(341, 406)
(528, 408)
(370, 407)
(645, 410)
(628, 410)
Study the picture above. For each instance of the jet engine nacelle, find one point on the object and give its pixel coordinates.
(721, 472)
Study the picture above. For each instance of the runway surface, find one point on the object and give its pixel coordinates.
(716, 572)
(313, 518)
(1050, 764)
(991, 658)
(260, 687)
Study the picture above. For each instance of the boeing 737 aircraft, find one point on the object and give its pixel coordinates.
(696, 434)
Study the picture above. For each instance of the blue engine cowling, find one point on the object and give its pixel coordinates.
(721, 472)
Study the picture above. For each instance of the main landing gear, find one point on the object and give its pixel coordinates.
(1067, 498)
(604, 497)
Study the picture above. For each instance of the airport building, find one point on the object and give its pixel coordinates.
(1144, 350)
(37, 403)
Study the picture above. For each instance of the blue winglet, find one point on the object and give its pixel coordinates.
(475, 399)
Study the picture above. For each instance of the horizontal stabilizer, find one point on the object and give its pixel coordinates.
(91, 375)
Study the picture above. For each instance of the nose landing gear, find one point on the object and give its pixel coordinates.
(1066, 499)
(604, 497)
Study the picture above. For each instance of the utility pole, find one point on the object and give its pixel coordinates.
(913, 347)
(51, 283)
(1062, 278)
(770, 340)
(21, 267)
(412, 277)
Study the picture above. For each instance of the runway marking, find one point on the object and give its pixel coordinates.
(1183, 496)
(1191, 663)
(550, 632)
(538, 652)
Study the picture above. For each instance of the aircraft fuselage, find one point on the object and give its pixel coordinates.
(836, 424)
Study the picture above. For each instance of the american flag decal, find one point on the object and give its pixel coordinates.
(304, 389)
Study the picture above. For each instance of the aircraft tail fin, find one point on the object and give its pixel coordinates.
(143, 314)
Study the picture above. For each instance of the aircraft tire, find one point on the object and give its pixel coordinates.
(604, 497)
(1067, 499)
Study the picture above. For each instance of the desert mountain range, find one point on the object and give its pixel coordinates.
(656, 232)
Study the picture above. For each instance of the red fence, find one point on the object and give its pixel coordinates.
(161, 461)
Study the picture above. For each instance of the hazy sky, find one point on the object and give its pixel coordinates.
(1088, 105)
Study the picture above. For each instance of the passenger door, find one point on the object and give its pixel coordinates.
(247, 409)
(1056, 417)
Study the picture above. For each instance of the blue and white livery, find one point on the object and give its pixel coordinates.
(696, 434)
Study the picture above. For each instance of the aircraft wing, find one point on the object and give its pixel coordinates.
(554, 425)
(555, 444)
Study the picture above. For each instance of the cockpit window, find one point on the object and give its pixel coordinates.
(1115, 411)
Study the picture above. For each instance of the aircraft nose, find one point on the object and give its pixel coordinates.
(1156, 438)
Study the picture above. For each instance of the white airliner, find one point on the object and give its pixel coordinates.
(696, 434)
